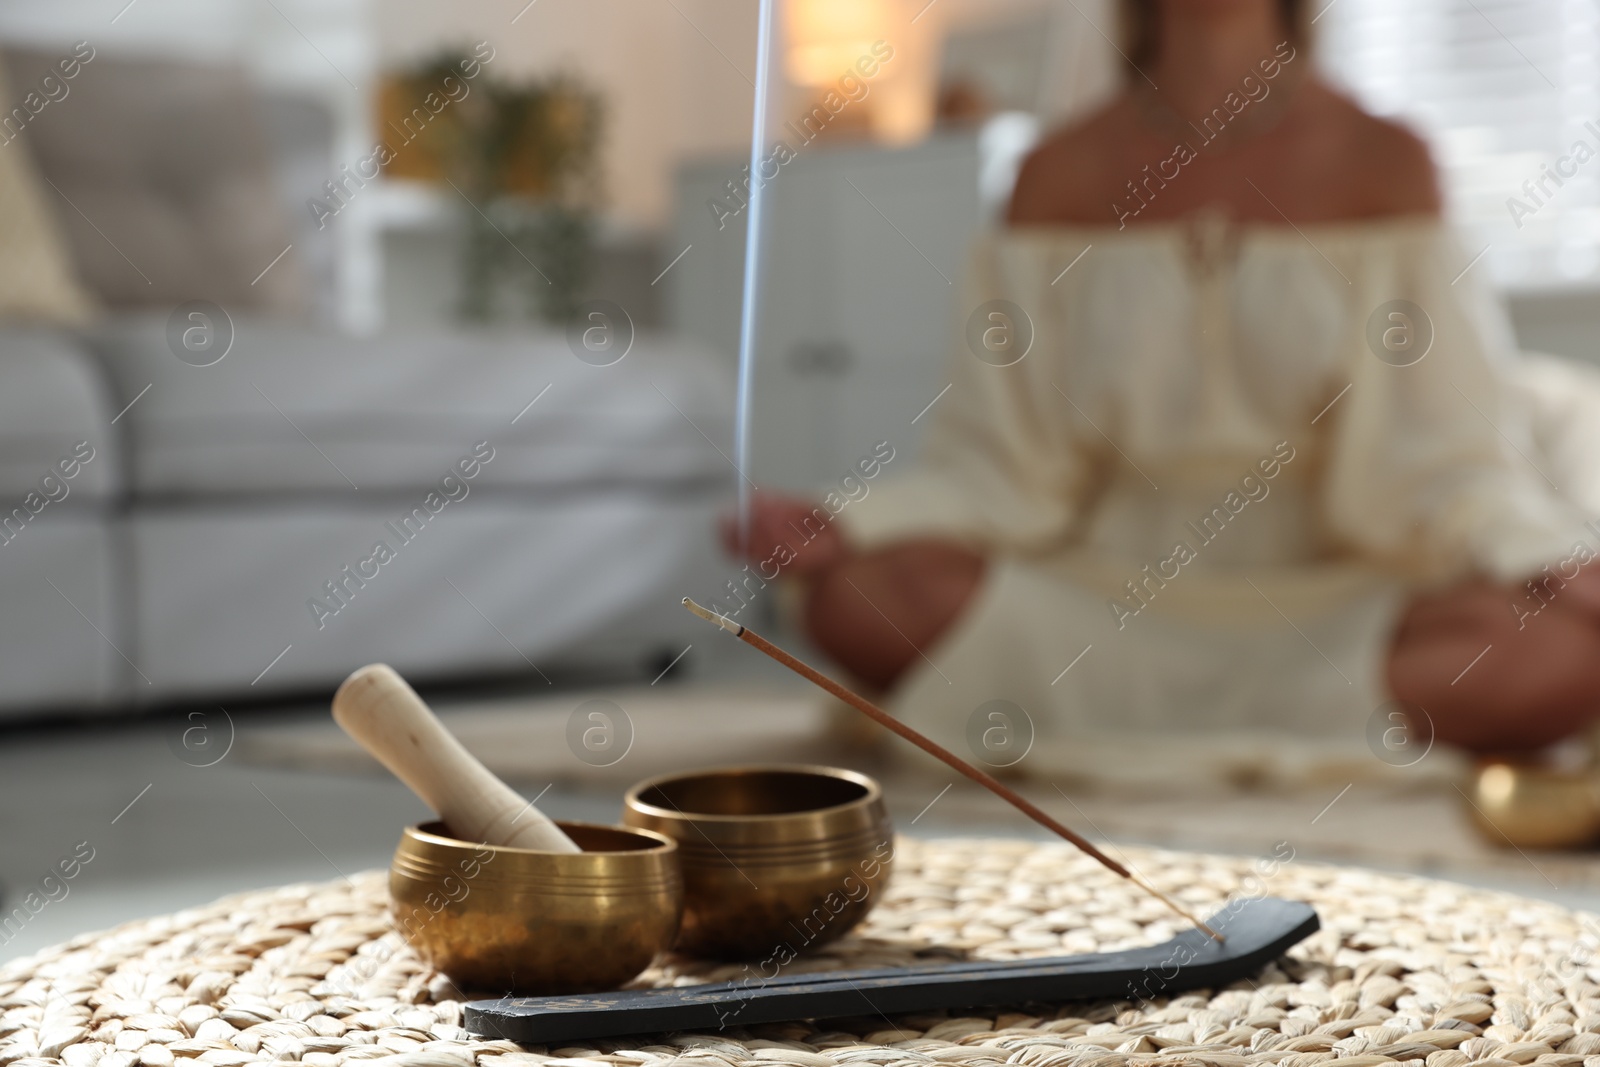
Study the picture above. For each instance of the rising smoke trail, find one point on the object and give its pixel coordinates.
(752, 258)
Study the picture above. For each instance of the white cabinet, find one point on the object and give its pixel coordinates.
(864, 254)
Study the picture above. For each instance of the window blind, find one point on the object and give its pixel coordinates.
(1508, 94)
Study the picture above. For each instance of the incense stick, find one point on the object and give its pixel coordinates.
(939, 752)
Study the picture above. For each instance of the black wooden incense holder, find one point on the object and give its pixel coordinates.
(1258, 931)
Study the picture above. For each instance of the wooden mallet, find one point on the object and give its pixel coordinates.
(387, 718)
(989, 782)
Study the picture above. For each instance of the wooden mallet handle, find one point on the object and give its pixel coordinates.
(387, 718)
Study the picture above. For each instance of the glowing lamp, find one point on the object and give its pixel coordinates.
(826, 37)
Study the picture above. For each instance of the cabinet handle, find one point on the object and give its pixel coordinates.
(821, 358)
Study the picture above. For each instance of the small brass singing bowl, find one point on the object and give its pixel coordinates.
(776, 859)
(537, 923)
(1536, 807)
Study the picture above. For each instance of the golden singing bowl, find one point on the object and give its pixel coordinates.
(775, 859)
(537, 923)
(1535, 807)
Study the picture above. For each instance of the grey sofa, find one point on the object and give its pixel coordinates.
(221, 538)
(226, 522)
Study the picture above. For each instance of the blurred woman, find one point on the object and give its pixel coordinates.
(1231, 444)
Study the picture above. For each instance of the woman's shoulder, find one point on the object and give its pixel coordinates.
(1064, 178)
(1384, 168)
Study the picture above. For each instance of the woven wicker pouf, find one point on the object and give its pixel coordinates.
(1405, 970)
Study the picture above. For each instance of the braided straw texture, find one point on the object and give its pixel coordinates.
(1405, 971)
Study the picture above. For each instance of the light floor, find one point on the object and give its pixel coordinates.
(166, 835)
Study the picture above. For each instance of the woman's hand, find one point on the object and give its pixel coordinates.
(1585, 588)
(796, 535)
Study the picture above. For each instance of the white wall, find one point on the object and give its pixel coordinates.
(287, 42)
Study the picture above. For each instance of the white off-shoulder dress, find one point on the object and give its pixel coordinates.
(1211, 481)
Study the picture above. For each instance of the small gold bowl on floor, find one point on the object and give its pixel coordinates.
(1531, 806)
(537, 923)
(775, 859)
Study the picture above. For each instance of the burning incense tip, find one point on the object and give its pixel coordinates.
(712, 617)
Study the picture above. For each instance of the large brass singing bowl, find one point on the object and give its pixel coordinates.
(537, 923)
(775, 859)
(1536, 807)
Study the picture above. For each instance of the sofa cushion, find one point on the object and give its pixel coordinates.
(292, 410)
(51, 398)
(36, 278)
(225, 590)
(172, 162)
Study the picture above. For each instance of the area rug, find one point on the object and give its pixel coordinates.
(540, 739)
(592, 738)
(1337, 808)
